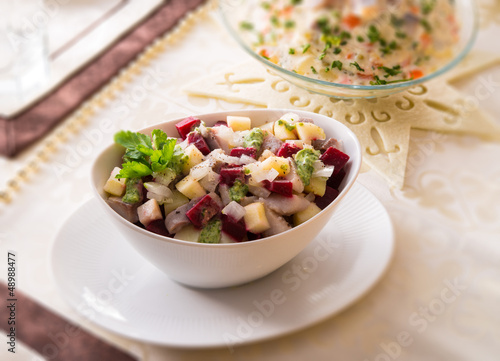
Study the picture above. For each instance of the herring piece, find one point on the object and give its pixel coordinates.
(285, 206)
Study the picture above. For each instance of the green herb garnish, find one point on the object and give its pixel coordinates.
(291, 51)
(337, 64)
(373, 34)
(337, 51)
(313, 70)
(355, 64)
(245, 25)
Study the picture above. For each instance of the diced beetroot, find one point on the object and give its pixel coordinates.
(328, 197)
(186, 125)
(287, 150)
(283, 187)
(234, 229)
(198, 141)
(220, 122)
(333, 156)
(254, 236)
(239, 151)
(203, 211)
(229, 175)
(335, 180)
(158, 227)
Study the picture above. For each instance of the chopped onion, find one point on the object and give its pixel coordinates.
(203, 129)
(210, 181)
(246, 159)
(259, 191)
(235, 210)
(290, 117)
(320, 170)
(159, 198)
(310, 197)
(200, 170)
(159, 189)
(262, 175)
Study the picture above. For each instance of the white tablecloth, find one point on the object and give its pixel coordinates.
(446, 220)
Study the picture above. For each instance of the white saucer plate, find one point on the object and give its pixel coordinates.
(104, 279)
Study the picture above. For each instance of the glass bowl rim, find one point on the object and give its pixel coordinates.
(322, 83)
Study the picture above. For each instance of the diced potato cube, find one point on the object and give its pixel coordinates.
(306, 214)
(255, 218)
(178, 199)
(115, 186)
(239, 123)
(190, 187)
(309, 131)
(149, 212)
(188, 233)
(284, 131)
(268, 127)
(317, 185)
(194, 157)
(282, 165)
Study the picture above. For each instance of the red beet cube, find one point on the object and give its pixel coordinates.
(239, 151)
(283, 187)
(333, 156)
(287, 150)
(335, 180)
(186, 125)
(234, 229)
(254, 236)
(198, 141)
(328, 197)
(229, 175)
(203, 211)
(158, 226)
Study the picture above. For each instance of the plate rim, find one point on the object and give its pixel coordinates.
(357, 187)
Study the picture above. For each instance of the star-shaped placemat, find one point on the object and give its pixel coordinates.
(382, 125)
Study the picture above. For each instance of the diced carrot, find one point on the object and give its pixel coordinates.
(415, 9)
(365, 76)
(425, 39)
(350, 56)
(264, 53)
(287, 10)
(417, 73)
(351, 21)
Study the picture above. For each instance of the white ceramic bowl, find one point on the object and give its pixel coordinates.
(223, 265)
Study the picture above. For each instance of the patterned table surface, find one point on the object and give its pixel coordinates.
(446, 220)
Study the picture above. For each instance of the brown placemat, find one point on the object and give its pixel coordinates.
(52, 336)
(23, 129)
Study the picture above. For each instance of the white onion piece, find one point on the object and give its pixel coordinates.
(184, 144)
(235, 210)
(200, 170)
(246, 159)
(210, 181)
(326, 171)
(159, 189)
(290, 117)
(259, 191)
(203, 129)
(269, 175)
(159, 198)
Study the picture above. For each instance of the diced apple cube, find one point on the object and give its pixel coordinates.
(309, 131)
(188, 233)
(255, 218)
(115, 186)
(237, 123)
(195, 156)
(178, 199)
(284, 131)
(306, 214)
(265, 154)
(282, 165)
(149, 212)
(317, 185)
(190, 187)
(268, 127)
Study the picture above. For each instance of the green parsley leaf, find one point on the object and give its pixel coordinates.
(291, 51)
(245, 25)
(373, 34)
(159, 138)
(426, 25)
(131, 140)
(401, 35)
(337, 64)
(295, 2)
(357, 66)
(306, 48)
(360, 38)
(313, 70)
(134, 170)
(337, 51)
(427, 6)
(391, 71)
(289, 24)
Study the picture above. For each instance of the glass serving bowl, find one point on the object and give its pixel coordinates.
(233, 11)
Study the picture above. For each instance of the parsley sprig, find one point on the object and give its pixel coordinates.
(144, 156)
